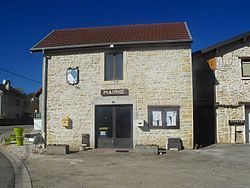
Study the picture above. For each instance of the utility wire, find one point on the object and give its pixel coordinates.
(15, 56)
(21, 76)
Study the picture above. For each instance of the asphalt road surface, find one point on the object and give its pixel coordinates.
(7, 175)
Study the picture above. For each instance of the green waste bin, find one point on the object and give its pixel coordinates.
(19, 141)
(7, 141)
(12, 137)
(18, 131)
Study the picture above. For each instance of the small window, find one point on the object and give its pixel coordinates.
(114, 66)
(164, 117)
(18, 102)
(246, 68)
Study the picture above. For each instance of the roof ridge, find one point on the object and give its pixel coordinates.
(113, 26)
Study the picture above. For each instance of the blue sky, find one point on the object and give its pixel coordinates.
(24, 23)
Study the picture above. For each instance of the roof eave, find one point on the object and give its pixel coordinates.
(224, 43)
(34, 49)
(42, 39)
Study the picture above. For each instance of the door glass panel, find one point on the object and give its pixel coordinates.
(123, 122)
(247, 123)
(104, 122)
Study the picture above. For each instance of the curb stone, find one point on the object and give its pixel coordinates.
(22, 176)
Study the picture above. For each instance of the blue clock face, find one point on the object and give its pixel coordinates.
(72, 76)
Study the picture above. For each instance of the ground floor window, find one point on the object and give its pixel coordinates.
(164, 117)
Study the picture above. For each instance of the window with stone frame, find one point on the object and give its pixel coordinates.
(245, 66)
(113, 66)
(164, 117)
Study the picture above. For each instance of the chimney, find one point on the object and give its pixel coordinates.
(7, 85)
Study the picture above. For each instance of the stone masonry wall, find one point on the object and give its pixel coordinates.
(155, 76)
(231, 89)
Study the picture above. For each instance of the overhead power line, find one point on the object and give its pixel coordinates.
(20, 76)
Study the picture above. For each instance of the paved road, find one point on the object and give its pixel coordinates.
(217, 166)
(7, 175)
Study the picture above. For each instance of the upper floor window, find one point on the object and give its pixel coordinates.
(164, 117)
(113, 66)
(246, 68)
(18, 102)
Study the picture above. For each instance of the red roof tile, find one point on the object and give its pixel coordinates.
(116, 34)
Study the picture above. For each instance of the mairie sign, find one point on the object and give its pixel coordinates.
(114, 92)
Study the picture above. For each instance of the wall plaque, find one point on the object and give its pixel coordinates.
(236, 122)
(72, 76)
(114, 92)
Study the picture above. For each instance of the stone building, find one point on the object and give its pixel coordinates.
(122, 85)
(14, 105)
(221, 92)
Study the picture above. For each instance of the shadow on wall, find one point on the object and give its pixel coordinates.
(145, 127)
(204, 82)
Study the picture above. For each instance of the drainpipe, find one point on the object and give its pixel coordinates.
(44, 96)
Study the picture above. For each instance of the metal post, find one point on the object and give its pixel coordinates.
(44, 96)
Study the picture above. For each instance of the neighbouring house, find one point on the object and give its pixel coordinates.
(38, 103)
(221, 92)
(15, 108)
(37, 100)
(121, 85)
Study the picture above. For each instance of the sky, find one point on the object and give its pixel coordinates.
(24, 23)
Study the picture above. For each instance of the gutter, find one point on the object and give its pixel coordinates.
(34, 49)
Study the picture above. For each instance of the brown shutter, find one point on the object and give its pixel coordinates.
(212, 63)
